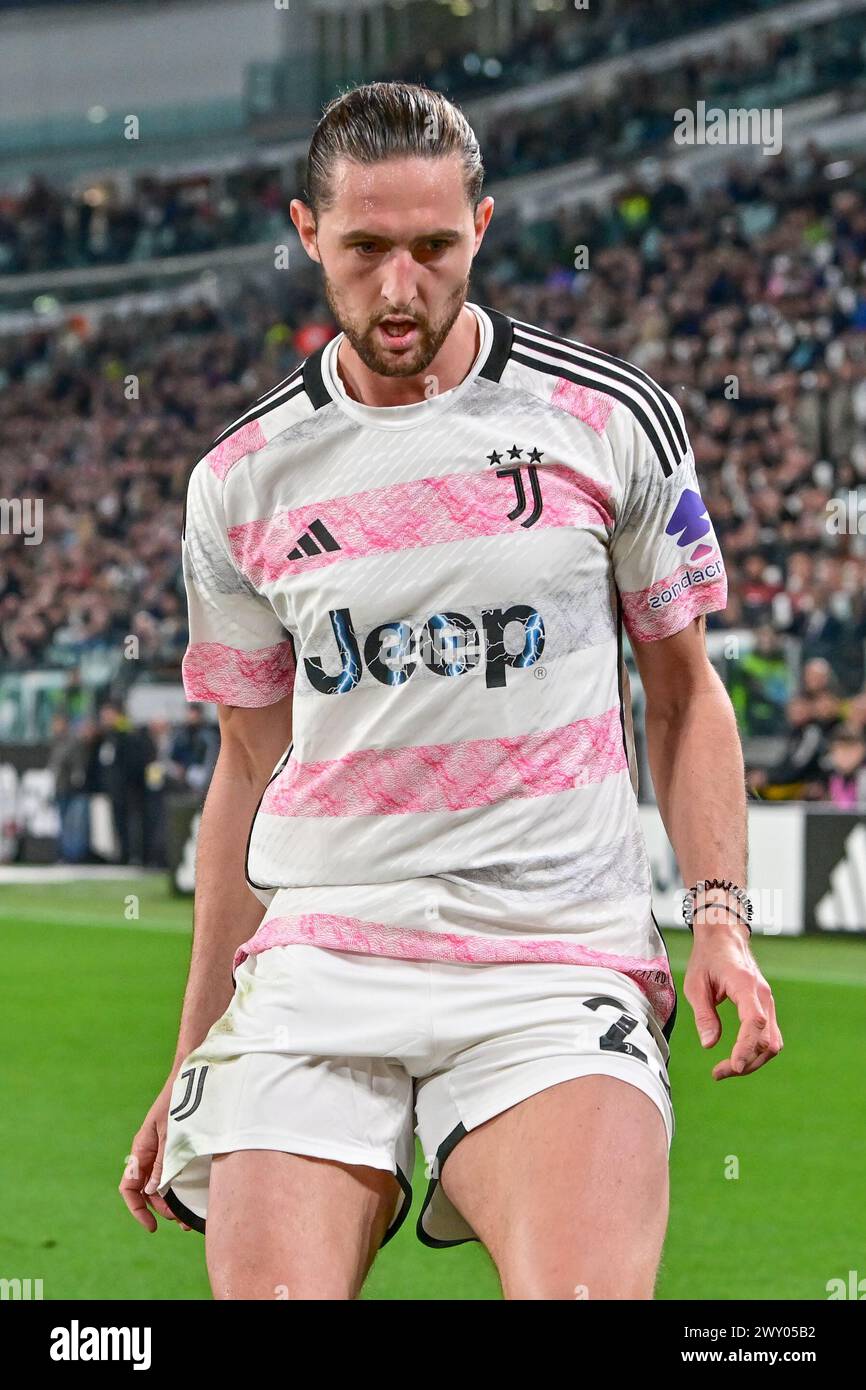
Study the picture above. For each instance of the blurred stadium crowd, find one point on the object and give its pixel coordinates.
(551, 44)
(747, 301)
(43, 227)
(50, 228)
(635, 116)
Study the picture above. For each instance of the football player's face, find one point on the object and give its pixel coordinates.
(396, 248)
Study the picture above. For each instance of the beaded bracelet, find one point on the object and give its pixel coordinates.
(690, 907)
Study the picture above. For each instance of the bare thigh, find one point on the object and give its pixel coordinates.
(568, 1190)
(283, 1225)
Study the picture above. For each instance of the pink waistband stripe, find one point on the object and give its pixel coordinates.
(340, 933)
(451, 776)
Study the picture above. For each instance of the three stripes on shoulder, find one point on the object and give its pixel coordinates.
(651, 405)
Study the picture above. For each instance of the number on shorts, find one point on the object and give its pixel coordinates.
(614, 1040)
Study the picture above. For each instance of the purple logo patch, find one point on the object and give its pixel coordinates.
(689, 520)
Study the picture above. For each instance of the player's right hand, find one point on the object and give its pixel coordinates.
(720, 967)
(144, 1165)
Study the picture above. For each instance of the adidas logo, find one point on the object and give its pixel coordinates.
(314, 540)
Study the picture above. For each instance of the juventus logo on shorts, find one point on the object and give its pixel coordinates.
(184, 1109)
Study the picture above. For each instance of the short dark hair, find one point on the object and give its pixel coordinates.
(389, 120)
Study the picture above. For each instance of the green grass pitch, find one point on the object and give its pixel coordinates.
(90, 1010)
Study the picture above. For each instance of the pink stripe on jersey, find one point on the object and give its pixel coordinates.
(423, 512)
(451, 776)
(246, 440)
(592, 407)
(212, 671)
(341, 933)
(675, 605)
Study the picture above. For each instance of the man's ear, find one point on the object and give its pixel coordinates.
(305, 225)
(483, 214)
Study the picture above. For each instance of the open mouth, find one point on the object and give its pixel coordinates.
(398, 332)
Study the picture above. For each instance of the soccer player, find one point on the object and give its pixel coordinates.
(408, 569)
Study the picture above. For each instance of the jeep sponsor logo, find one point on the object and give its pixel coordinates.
(448, 644)
(687, 581)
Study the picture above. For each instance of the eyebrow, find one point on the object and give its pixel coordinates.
(447, 234)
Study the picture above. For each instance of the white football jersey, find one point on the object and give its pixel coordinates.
(443, 587)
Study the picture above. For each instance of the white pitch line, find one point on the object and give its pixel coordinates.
(73, 873)
(73, 919)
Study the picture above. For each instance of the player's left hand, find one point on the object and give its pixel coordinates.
(722, 967)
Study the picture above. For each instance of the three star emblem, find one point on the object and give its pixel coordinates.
(533, 456)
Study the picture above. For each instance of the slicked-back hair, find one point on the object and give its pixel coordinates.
(389, 120)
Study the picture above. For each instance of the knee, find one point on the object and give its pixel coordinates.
(294, 1287)
(577, 1278)
(552, 1287)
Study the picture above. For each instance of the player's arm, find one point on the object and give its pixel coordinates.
(695, 756)
(696, 760)
(252, 741)
(670, 572)
(226, 914)
(240, 658)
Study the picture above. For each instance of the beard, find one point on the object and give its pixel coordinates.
(431, 333)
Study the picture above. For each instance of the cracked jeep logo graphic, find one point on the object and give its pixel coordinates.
(448, 644)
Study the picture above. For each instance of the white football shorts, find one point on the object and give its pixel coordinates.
(347, 1056)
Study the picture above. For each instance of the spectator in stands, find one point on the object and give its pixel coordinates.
(164, 771)
(68, 761)
(74, 700)
(761, 685)
(820, 688)
(817, 678)
(123, 755)
(855, 713)
(799, 772)
(163, 775)
(757, 587)
(846, 770)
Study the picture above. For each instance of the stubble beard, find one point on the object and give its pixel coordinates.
(431, 337)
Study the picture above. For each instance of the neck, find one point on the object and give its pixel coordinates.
(450, 366)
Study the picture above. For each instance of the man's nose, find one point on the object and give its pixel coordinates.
(400, 282)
